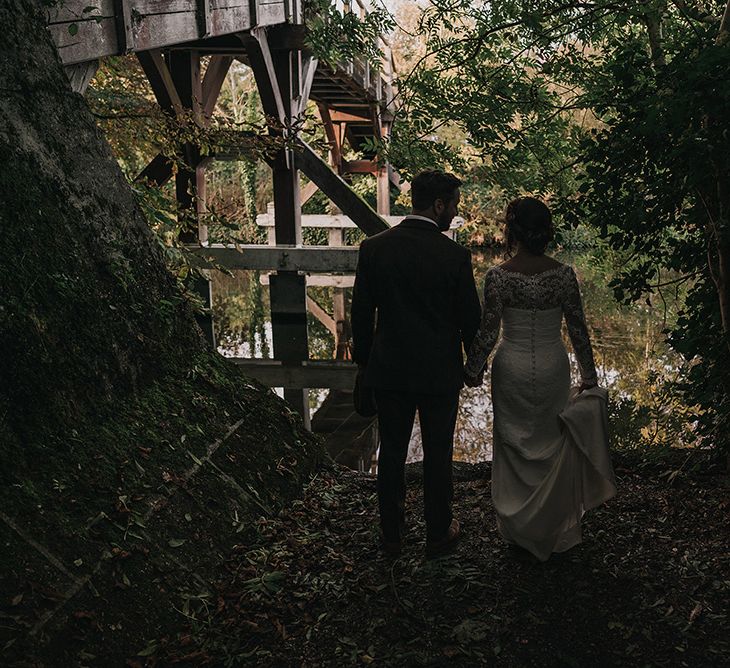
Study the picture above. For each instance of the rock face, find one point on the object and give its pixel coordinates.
(132, 459)
(88, 310)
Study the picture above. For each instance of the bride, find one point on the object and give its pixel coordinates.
(550, 453)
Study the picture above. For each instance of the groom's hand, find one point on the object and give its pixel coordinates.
(473, 381)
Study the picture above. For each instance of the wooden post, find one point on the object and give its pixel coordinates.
(289, 331)
(339, 314)
(383, 177)
(184, 67)
(278, 79)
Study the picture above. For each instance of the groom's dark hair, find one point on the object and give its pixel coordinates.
(430, 185)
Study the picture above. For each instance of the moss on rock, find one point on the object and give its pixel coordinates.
(132, 457)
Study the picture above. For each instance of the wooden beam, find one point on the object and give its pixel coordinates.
(310, 67)
(333, 374)
(125, 34)
(158, 171)
(288, 298)
(321, 280)
(344, 117)
(81, 74)
(360, 167)
(160, 79)
(306, 193)
(204, 17)
(215, 75)
(333, 135)
(321, 259)
(114, 27)
(338, 191)
(323, 220)
(383, 190)
(262, 64)
(325, 318)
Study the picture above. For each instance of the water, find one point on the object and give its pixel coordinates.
(628, 344)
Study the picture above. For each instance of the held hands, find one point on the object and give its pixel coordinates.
(473, 381)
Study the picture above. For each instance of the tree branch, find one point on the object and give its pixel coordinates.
(724, 32)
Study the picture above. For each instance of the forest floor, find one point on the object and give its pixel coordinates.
(649, 586)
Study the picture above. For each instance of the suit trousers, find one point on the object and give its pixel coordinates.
(437, 416)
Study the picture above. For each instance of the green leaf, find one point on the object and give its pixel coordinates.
(149, 650)
(176, 542)
(73, 29)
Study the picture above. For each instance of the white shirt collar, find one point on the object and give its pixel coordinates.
(415, 217)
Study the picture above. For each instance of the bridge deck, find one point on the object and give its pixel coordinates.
(84, 31)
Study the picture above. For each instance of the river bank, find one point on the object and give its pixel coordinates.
(648, 586)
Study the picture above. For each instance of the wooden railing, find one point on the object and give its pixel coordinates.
(387, 65)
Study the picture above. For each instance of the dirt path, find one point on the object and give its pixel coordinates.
(648, 587)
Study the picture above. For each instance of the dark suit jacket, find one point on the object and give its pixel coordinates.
(414, 307)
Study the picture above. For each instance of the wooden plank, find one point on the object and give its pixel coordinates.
(339, 191)
(93, 40)
(321, 259)
(144, 8)
(343, 117)
(323, 220)
(227, 16)
(154, 31)
(332, 374)
(360, 167)
(270, 13)
(71, 11)
(118, 26)
(321, 280)
(81, 74)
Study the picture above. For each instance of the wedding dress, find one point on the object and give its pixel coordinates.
(550, 451)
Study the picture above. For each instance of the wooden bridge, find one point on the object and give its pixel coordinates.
(172, 39)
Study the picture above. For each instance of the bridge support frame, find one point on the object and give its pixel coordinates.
(280, 82)
(183, 93)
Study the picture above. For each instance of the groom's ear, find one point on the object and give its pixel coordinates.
(438, 205)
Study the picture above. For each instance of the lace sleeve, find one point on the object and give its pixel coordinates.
(489, 327)
(577, 330)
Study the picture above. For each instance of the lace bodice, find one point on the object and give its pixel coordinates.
(549, 289)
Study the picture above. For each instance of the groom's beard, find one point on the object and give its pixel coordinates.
(443, 222)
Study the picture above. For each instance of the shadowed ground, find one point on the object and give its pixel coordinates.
(649, 585)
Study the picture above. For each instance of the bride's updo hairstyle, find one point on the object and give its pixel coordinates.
(530, 222)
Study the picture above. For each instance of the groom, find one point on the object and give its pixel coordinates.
(415, 309)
